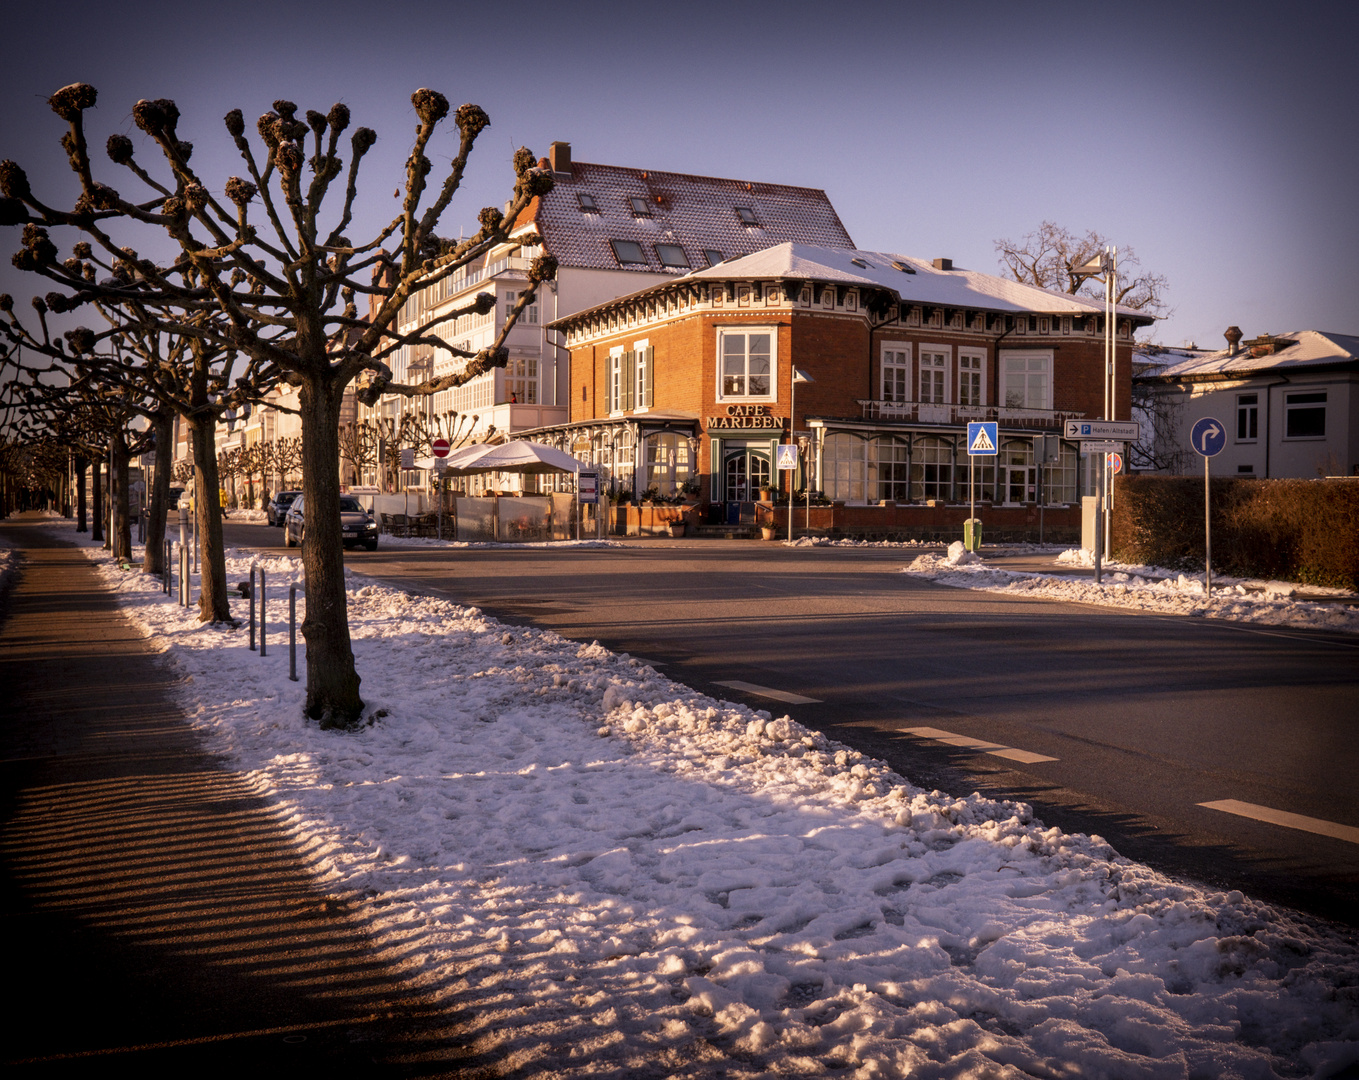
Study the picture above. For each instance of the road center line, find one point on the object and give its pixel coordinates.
(777, 695)
(1026, 757)
(1284, 818)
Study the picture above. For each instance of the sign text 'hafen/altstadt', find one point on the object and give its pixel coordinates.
(746, 418)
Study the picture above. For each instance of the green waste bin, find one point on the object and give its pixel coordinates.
(972, 531)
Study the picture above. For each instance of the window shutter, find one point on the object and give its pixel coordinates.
(650, 376)
(629, 380)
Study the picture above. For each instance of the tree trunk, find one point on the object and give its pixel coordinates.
(97, 511)
(332, 681)
(121, 538)
(213, 605)
(153, 562)
(82, 523)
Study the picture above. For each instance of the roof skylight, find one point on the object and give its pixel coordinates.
(628, 252)
(905, 268)
(747, 215)
(672, 255)
(587, 202)
(640, 207)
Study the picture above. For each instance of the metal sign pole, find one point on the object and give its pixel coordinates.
(1207, 534)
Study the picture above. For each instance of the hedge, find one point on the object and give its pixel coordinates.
(1285, 530)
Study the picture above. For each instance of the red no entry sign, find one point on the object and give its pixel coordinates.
(439, 448)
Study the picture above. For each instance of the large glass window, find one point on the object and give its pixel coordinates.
(932, 469)
(970, 378)
(521, 380)
(844, 467)
(1305, 415)
(747, 364)
(668, 462)
(1025, 381)
(893, 458)
(933, 377)
(896, 373)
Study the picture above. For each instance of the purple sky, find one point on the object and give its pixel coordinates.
(1221, 143)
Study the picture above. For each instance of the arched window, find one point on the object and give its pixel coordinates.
(932, 469)
(893, 457)
(844, 467)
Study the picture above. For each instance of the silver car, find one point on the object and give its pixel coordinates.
(356, 524)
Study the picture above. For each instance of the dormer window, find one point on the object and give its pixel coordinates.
(628, 253)
(587, 203)
(672, 256)
(640, 207)
(746, 215)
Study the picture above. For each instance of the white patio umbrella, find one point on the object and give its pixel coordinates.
(517, 456)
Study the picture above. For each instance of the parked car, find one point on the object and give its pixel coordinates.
(278, 507)
(356, 524)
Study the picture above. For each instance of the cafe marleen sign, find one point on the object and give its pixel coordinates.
(746, 418)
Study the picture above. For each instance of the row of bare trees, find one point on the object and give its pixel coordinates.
(258, 281)
(272, 461)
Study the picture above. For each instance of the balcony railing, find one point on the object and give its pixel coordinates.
(954, 415)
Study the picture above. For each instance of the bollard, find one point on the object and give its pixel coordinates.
(167, 572)
(292, 632)
(253, 567)
(185, 588)
(264, 618)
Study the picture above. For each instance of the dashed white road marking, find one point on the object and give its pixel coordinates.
(765, 691)
(1027, 757)
(1284, 818)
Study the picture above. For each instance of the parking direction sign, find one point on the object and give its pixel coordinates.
(1126, 430)
(983, 438)
(1208, 437)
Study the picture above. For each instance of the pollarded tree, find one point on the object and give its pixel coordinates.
(286, 285)
(1049, 256)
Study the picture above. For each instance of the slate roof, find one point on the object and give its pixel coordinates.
(695, 212)
(1310, 348)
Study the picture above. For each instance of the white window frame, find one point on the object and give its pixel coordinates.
(613, 381)
(945, 353)
(1249, 411)
(723, 332)
(1291, 406)
(978, 355)
(639, 388)
(1011, 356)
(903, 355)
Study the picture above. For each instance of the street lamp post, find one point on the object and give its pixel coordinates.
(1104, 265)
(799, 376)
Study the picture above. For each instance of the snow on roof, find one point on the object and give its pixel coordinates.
(920, 283)
(1309, 348)
(697, 213)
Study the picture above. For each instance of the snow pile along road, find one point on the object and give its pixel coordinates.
(1146, 589)
(615, 876)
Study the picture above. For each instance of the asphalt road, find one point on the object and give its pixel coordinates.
(1111, 722)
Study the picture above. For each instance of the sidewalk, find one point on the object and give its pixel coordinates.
(156, 915)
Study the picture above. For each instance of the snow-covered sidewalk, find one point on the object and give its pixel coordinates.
(1147, 588)
(617, 876)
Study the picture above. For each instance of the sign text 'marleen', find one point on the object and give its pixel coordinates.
(745, 418)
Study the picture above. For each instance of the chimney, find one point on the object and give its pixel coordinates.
(1233, 336)
(943, 264)
(559, 153)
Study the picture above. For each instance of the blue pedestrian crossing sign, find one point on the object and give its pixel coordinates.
(983, 438)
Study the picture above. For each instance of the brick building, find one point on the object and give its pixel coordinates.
(694, 377)
(613, 230)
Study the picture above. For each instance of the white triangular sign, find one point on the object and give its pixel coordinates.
(981, 444)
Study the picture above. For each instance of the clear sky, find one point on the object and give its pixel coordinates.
(1220, 142)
